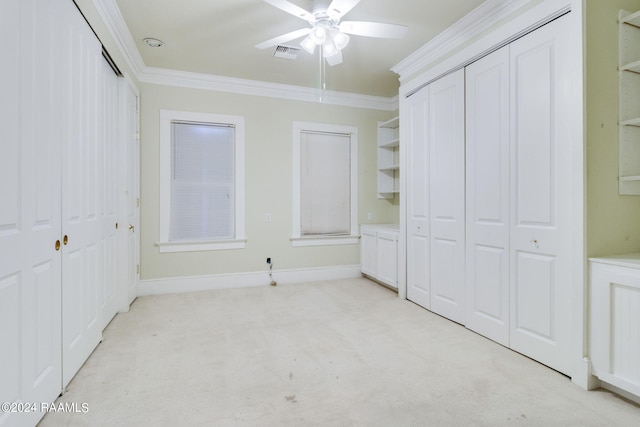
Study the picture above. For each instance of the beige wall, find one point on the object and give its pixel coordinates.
(613, 221)
(268, 162)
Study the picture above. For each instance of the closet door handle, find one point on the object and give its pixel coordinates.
(131, 227)
(65, 240)
(57, 245)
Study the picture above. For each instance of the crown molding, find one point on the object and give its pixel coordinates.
(162, 76)
(482, 18)
(110, 14)
(113, 20)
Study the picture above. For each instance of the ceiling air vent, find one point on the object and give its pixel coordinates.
(286, 52)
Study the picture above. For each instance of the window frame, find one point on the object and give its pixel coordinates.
(166, 119)
(297, 239)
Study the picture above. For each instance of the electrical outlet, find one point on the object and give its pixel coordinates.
(267, 217)
(269, 260)
(370, 216)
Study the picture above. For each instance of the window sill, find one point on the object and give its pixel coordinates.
(196, 246)
(324, 240)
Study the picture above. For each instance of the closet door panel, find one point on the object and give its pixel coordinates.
(11, 237)
(447, 194)
(30, 210)
(487, 177)
(417, 147)
(109, 135)
(40, 160)
(541, 194)
(82, 192)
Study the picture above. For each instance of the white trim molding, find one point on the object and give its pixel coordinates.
(470, 26)
(245, 280)
(162, 76)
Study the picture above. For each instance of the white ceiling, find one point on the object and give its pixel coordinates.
(218, 37)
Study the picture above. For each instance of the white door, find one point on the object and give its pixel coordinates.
(417, 155)
(447, 196)
(30, 278)
(108, 138)
(541, 196)
(487, 176)
(131, 149)
(82, 191)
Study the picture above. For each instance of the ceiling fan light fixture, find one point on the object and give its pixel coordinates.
(308, 45)
(329, 48)
(318, 35)
(340, 39)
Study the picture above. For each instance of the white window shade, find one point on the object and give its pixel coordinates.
(325, 190)
(202, 182)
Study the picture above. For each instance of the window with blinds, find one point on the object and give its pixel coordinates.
(325, 193)
(325, 184)
(202, 182)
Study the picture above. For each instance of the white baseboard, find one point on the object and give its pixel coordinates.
(244, 280)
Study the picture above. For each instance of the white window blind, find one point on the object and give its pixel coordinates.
(325, 177)
(202, 182)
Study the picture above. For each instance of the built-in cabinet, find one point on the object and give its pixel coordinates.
(379, 253)
(488, 209)
(629, 96)
(388, 158)
(615, 320)
(62, 181)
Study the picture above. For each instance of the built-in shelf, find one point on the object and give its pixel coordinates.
(391, 144)
(631, 19)
(629, 108)
(631, 122)
(388, 158)
(634, 67)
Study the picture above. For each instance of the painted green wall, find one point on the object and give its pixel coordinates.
(613, 221)
(268, 188)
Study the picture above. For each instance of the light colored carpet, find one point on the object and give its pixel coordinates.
(340, 353)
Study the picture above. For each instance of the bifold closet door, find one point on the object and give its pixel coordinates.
(487, 176)
(447, 196)
(540, 236)
(89, 193)
(417, 154)
(30, 280)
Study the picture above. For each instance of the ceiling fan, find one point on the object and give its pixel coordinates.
(327, 31)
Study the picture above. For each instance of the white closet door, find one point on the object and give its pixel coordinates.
(108, 184)
(487, 148)
(447, 196)
(541, 196)
(30, 209)
(417, 152)
(82, 174)
(130, 250)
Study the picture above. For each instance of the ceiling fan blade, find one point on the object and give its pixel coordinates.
(374, 29)
(292, 9)
(335, 59)
(284, 38)
(338, 8)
